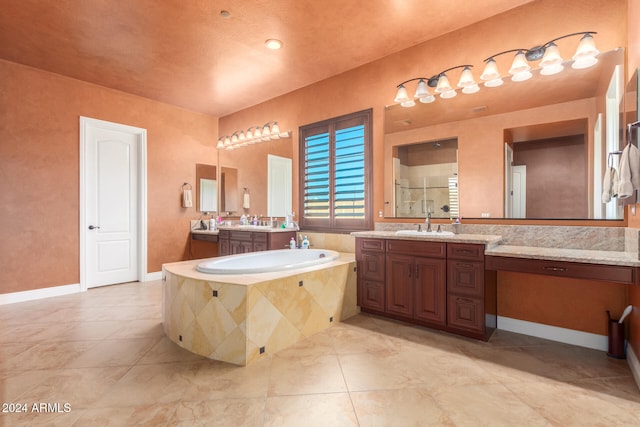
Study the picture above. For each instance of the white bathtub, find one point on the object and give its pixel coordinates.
(261, 262)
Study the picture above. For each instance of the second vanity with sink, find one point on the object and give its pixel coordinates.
(240, 239)
(448, 281)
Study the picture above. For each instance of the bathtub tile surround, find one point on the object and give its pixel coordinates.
(232, 317)
(335, 242)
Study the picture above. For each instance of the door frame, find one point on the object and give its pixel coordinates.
(141, 147)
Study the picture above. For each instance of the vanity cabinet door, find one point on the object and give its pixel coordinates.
(430, 290)
(224, 248)
(466, 278)
(371, 294)
(399, 290)
(465, 313)
(260, 242)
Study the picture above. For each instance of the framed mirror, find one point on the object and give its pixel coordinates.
(572, 103)
(206, 188)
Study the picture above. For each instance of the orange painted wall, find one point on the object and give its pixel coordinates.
(39, 172)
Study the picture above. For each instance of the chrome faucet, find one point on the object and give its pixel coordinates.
(427, 221)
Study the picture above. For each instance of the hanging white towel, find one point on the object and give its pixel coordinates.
(187, 202)
(246, 201)
(609, 184)
(629, 171)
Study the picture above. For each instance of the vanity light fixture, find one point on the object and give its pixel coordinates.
(255, 134)
(551, 62)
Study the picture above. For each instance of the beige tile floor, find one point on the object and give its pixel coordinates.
(103, 352)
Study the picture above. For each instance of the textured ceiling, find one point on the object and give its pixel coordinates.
(184, 53)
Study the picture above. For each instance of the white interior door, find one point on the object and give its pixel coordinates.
(508, 181)
(110, 218)
(519, 185)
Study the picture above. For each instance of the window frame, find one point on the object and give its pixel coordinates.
(331, 126)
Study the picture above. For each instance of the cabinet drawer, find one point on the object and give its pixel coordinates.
(425, 249)
(466, 251)
(240, 235)
(371, 295)
(205, 237)
(371, 266)
(371, 245)
(608, 273)
(260, 237)
(465, 313)
(223, 234)
(465, 277)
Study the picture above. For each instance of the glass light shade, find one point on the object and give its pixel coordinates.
(494, 83)
(467, 90)
(443, 84)
(522, 76)
(242, 136)
(490, 71)
(220, 143)
(275, 129)
(266, 131)
(249, 134)
(451, 93)
(234, 138)
(466, 78)
(422, 90)
(227, 141)
(257, 133)
(551, 69)
(401, 95)
(586, 48)
(409, 103)
(427, 99)
(551, 56)
(519, 64)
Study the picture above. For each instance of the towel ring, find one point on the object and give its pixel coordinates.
(186, 184)
(610, 157)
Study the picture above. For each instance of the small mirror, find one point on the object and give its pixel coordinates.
(206, 188)
(229, 189)
(279, 186)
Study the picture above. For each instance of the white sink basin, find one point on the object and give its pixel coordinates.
(416, 233)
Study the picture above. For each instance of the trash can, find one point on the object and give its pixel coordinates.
(616, 338)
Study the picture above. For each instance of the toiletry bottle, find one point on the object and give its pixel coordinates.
(212, 224)
(243, 219)
(305, 243)
(292, 243)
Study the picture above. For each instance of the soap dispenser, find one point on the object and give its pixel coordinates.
(305, 243)
(292, 243)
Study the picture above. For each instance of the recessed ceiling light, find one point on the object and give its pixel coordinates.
(274, 44)
(225, 14)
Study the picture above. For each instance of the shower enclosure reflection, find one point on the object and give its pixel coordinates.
(426, 179)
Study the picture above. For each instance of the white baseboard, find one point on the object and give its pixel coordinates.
(634, 364)
(54, 291)
(148, 277)
(554, 333)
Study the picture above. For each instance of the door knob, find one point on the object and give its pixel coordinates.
(91, 227)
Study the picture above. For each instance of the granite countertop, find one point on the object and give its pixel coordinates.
(485, 239)
(260, 228)
(211, 232)
(562, 254)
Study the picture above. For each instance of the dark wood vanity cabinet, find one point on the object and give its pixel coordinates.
(240, 241)
(471, 296)
(416, 285)
(370, 257)
(441, 285)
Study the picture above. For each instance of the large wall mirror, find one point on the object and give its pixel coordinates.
(531, 149)
(257, 179)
